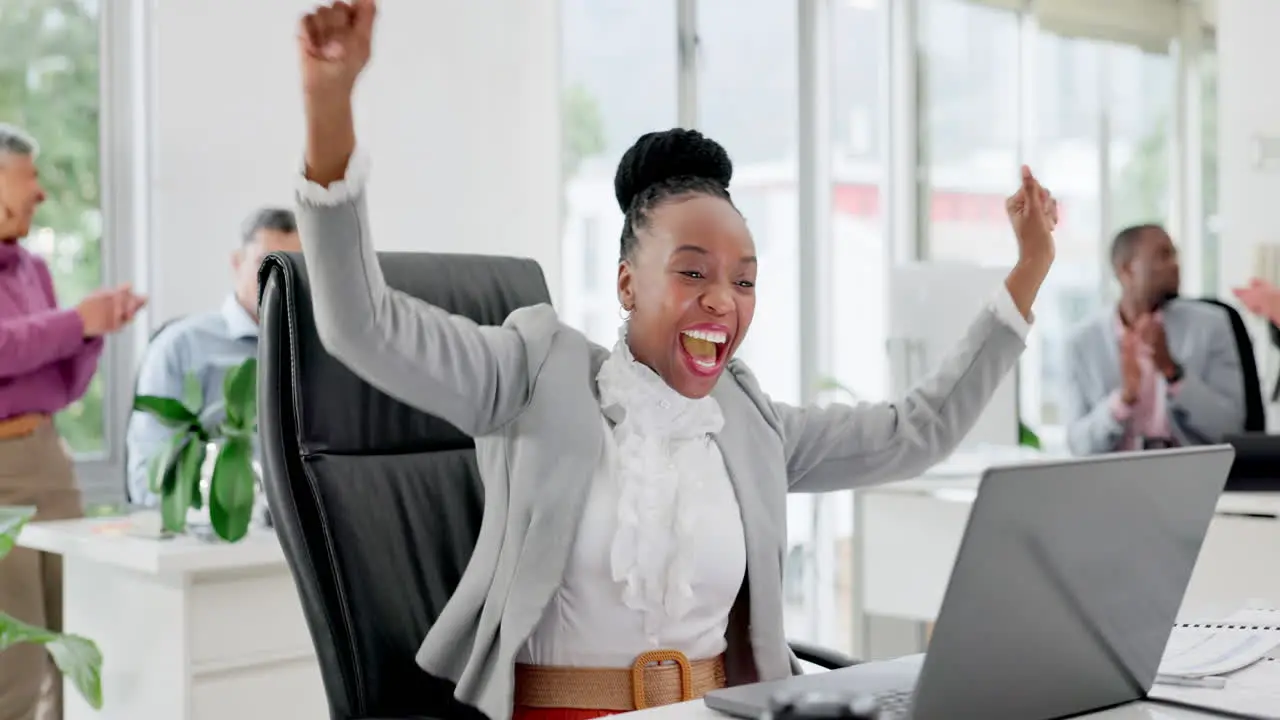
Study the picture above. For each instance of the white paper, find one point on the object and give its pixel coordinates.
(1252, 688)
(1253, 692)
(1201, 652)
(1255, 617)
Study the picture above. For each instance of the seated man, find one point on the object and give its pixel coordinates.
(1156, 371)
(205, 345)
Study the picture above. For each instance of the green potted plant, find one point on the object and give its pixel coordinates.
(78, 658)
(175, 472)
(1028, 437)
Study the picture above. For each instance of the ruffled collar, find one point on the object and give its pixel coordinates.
(632, 393)
(658, 507)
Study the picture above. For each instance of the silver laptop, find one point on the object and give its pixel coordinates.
(1062, 598)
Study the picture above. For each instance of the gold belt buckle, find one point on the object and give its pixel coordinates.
(654, 657)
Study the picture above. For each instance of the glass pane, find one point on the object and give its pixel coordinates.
(619, 67)
(1065, 151)
(1212, 252)
(747, 101)
(1140, 98)
(49, 86)
(860, 258)
(969, 118)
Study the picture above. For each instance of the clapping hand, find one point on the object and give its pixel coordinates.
(1033, 213)
(106, 311)
(1151, 331)
(1260, 298)
(1130, 368)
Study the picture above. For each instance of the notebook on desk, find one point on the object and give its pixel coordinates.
(1230, 666)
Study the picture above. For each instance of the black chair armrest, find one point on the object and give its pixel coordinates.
(825, 658)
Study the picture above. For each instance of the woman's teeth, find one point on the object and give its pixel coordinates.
(702, 345)
(719, 337)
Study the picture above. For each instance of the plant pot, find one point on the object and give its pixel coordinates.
(198, 523)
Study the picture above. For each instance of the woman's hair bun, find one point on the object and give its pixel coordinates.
(660, 156)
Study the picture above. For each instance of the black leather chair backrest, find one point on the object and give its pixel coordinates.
(1255, 414)
(377, 505)
(1273, 332)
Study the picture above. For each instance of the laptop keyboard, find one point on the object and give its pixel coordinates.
(894, 705)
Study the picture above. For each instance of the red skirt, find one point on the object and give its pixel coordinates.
(528, 713)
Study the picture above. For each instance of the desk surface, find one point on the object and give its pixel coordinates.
(107, 541)
(696, 710)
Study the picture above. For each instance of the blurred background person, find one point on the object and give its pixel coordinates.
(206, 346)
(1154, 370)
(48, 355)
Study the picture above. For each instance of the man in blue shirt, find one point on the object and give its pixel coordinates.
(205, 345)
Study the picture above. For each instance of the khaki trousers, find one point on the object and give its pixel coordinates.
(34, 470)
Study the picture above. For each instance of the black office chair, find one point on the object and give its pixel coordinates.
(377, 505)
(1273, 332)
(1255, 414)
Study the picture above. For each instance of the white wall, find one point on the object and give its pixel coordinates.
(459, 109)
(1249, 107)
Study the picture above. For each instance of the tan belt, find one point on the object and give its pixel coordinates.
(21, 426)
(645, 684)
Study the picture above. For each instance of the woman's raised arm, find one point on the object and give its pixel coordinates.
(475, 377)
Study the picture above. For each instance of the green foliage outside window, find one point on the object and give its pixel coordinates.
(49, 86)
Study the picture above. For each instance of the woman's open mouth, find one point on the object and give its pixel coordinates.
(704, 348)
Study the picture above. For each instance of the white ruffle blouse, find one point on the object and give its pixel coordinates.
(660, 555)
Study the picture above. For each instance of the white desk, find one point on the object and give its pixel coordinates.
(907, 534)
(188, 630)
(696, 710)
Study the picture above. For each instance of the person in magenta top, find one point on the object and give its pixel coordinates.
(48, 354)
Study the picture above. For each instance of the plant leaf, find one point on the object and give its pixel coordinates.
(77, 657)
(197, 499)
(240, 388)
(11, 521)
(175, 496)
(80, 660)
(13, 632)
(192, 393)
(1028, 437)
(830, 384)
(231, 492)
(158, 469)
(167, 410)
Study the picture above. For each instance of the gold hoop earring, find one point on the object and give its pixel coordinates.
(624, 312)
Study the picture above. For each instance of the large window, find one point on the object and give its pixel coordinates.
(747, 101)
(968, 140)
(1210, 224)
(1139, 98)
(619, 69)
(860, 256)
(991, 90)
(1087, 103)
(1065, 147)
(49, 84)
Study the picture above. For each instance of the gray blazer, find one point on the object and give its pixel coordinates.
(526, 392)
(1209, 404)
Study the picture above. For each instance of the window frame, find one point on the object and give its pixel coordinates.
(124, 45)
